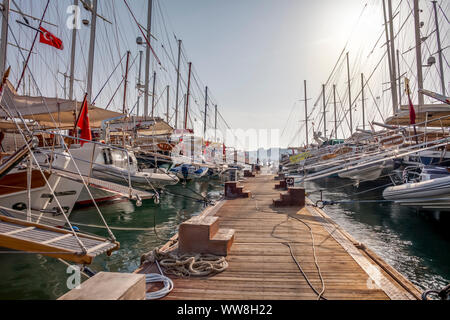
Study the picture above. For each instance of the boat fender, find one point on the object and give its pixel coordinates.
(156, 199)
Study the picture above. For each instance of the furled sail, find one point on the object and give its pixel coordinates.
(50, 112)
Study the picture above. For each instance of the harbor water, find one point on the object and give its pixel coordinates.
(30, 276)
(410, 241)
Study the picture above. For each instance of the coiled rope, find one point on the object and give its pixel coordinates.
(187, 265)
(155, 278)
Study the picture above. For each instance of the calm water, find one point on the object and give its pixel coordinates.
(416, 244)
(26, 276)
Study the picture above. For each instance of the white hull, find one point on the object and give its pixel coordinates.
(430, 194)
(369, 173)
(144, 180)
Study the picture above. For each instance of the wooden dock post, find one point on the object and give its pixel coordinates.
(202, 235)
(294, 197)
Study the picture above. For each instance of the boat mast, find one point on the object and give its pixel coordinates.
(335, 111)
(178, 85)
(139, 84)
(168, 96)
(363, 104)
(153, 94)
(399, 79)
(4, 35)
(125, 111)
(186, 111)
(147, 58)
(324, 113)
(215, 124)
(418, 51)
(206, 112)
(438, 38)
(394, 69)
(349, 95)
(73, 53)
(306, 115)
(91, 50)
(388, 50)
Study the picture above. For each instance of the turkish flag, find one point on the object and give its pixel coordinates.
(83, 123)
(48, 38)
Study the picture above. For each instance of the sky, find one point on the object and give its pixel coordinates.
(253, 55)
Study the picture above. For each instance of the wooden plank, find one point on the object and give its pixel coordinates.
(97, 247)
(57, 238)
(18, 230)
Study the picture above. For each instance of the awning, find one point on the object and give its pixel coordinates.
(423, 113)
(50, 112)
(159, 128)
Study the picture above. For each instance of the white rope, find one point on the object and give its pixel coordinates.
(155, 278)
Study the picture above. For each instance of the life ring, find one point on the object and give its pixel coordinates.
(290, 181)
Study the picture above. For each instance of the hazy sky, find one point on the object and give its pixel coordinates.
(255, 54)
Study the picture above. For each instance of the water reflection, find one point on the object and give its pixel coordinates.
(415, 243)
(37, 277)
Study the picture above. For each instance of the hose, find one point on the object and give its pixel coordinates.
(154, 278)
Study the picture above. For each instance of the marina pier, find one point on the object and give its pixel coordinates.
(224, 150)
(262, 266)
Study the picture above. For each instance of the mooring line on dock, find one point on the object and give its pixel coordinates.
(288, 244)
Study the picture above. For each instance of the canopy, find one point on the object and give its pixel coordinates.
(159, 128)
(423, 113)
(50, 112)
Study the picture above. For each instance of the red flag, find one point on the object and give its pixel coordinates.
(83, 123)
(48, 38)
(412, 112)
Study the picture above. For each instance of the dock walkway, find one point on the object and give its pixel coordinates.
(261, 265)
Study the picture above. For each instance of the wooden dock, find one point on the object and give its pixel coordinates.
(261, 265)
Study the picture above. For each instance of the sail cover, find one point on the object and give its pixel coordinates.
(50, 112)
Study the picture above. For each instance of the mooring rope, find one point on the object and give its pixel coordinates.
(187, 265)
(288, 244)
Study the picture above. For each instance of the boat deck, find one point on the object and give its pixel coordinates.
(26, 236)
(116, 188)
(261, 266)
